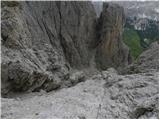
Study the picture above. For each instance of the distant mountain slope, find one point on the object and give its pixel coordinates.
(145, 9)
(141, 17)
(132, 39)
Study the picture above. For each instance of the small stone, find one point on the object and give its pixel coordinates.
(18, 99)
(36, 113)
(113, 106)
(84, 90)
(81, 117)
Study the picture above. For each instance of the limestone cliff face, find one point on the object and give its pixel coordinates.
(42, 42)
(111, 51)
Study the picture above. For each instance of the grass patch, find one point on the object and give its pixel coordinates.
(132, 40)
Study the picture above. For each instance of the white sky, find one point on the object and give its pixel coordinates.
(124, 0)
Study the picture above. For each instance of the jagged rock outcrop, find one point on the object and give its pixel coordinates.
(42, 41)
(111, 51)
(148, 61)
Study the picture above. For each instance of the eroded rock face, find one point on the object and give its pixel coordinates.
(111, 51)
(148, 61)
(44, 46)
(42, 41)
(78, 22)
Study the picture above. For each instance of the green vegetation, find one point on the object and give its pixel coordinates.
(132, 40)
(151, 34)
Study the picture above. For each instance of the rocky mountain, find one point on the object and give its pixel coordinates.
(59, 60)
(143, 17)
(134, 9)
(42, 43)
(104, 95)
(141, 9)
(148, 61)
(111, 51)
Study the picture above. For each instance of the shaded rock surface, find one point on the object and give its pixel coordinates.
(111, 51)
(105, 95)
(51, 45)
(148, 61)
(43, 41)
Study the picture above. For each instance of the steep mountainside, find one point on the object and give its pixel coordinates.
(105, 95)
(141, 9)
(43, 42)
(60, 61)
(148, 61)
(132, 39)
(142, 17)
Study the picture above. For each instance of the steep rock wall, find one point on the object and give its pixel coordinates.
(111, 51)
(43, 42)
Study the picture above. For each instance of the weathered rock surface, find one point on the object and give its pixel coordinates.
(50, 45)
(41, 41)
(111, 52)
(148, 61)
(106, 95)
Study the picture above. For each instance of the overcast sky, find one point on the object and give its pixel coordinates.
(124, 0)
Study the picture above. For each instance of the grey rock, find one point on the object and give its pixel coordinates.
(111, 51)
(118, 96)
(77, 77)
(41, 41)
(148, 61)
(51, 45)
